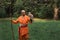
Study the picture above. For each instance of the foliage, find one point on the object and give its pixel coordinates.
(46, 12)
(39, 8)
(2, 13)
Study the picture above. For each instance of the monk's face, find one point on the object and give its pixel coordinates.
(23, 13)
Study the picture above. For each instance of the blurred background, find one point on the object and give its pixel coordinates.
(46, 16)
(39, 8)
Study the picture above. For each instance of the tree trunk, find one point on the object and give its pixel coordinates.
(55, 13)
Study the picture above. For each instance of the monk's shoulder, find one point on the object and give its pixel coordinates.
(19, 17)
(27, 16)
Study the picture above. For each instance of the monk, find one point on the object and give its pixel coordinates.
(23, 28)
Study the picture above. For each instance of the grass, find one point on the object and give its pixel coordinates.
(38, 30)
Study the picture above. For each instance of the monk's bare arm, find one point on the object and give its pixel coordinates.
(14, 21)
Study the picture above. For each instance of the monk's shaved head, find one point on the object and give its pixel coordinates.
(23, 12)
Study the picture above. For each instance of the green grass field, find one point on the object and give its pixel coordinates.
(38, 30)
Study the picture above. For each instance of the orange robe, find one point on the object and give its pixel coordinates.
(23, 31)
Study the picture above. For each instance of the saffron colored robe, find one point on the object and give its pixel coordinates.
(23, 31)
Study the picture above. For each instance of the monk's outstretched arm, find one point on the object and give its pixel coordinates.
(14, 21)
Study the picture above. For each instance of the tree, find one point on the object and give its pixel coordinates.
(6, 4)
(55, 9)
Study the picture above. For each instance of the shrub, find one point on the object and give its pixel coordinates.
(2, 13)
(47, 12)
